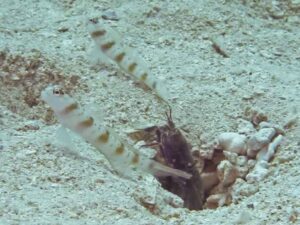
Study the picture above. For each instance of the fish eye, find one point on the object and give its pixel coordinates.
(58, 91)
(94, 20)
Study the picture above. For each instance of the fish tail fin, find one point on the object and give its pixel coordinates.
(161, 170)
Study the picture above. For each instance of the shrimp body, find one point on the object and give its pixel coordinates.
(122, 159)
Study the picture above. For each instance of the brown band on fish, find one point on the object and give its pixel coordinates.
(132, 67)
(70, 108)
(107, 45)
(135, 159)
(103, 138)
(144, 76)
(86, 123)
(120, 57)
(98, 33)
(120, 149)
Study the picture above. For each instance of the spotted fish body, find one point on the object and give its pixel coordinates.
(109, 43)
(121, 158)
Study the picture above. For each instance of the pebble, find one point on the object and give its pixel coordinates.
(63, 29)
(243, 218)
(245, 127)
(255, 115)
(270, 151)
(110, 15)
(21, 155)
(232, 142)
(290, 121)
(259, 172)
(227, 173)
(219, 199)
(241, 160)
(242, 189)
(264, 124)
(31, 125)
(251, 163)
(231, 156)
(259, 140)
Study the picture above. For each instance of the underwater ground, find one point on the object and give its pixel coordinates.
(216, 58)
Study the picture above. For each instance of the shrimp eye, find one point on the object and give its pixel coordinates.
(58, 91)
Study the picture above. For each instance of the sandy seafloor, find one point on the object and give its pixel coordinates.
(43, 183)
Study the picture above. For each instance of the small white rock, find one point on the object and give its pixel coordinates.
(259, 140)
(255, 115)
(243, 218)
(259, 172)
(245, 127)
(241, 189)
(227, 173)
(232, 142)
(251, 163)
(219, 199)
(231, 156)
(241, 160)
(269, 153)
(264, 124)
